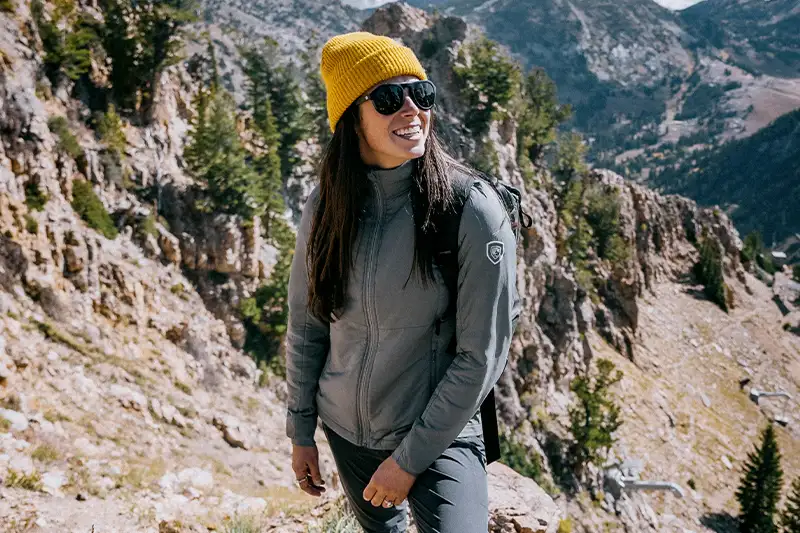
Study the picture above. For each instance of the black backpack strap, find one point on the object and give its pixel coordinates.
(446, 257)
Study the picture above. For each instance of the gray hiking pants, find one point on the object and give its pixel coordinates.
(451, 496)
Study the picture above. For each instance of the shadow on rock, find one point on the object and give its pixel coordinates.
(720, 522)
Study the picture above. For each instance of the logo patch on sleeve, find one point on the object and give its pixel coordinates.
(495, 251)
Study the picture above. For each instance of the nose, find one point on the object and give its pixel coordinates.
(409, 108)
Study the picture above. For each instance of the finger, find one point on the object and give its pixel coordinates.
(387, 503)
(369, 491)
(310, 489)
(316, 477)
(377, 499)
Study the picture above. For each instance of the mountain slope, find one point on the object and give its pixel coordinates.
(763, 37)
(290, 22)
(757, 177)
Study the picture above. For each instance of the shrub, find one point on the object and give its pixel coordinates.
(89, 207)
(31, 225)
(35, 199)
(565, 526)
(146, 227)
(7, 6)
(67, 143)
(796, 272)
(516, 456)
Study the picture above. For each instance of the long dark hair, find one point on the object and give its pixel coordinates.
(343, 189)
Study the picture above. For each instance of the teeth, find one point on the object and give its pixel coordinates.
(408, 131)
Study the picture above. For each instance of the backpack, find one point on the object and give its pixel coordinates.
(446, 258)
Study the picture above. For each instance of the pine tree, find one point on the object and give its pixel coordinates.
(216, 157)
(595, 416)
(569, 161)
(488, 83)
(709, 271)
(68, 38)
(760, 488)
(142, 39)
(790, 519)
(539, 116)
(274, 85)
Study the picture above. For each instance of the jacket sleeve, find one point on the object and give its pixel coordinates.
(307, 341)
(486, 307)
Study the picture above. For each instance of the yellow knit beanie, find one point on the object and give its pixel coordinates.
(354, 62)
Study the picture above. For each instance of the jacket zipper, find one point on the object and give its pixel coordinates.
(369, 300)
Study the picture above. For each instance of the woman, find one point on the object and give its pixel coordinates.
(369, 320)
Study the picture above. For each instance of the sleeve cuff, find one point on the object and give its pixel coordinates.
(410, 456)
(301, 428)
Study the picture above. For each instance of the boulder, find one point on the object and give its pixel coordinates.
(517, 501)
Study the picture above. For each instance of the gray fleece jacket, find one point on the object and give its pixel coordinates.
(380, 376)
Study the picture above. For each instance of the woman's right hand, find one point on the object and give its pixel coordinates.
(305, 464)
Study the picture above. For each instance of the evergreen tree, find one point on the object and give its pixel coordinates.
(315, 91)
(760, 488)
(142, 39)
(69, 38)
(709, 271)
(569, 161)
(120, 45)
(595, 416)
(216, 157)
(274, 85)
(790, 520)
(539, 116)
(489, 82)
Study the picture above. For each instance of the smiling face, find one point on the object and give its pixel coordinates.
(388, 141)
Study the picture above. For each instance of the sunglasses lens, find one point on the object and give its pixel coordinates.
(423, 93)
(387, 99)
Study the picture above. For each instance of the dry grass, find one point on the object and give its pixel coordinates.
(53, 416)
(143, 474)
(32, 481)
(339, 520)
(46, 453)
(183, 387)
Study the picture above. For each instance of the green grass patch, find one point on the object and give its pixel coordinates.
(67, 142)
(35, 199)
(31, 225)
(89, 207)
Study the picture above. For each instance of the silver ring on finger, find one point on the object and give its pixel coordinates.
(388, 504)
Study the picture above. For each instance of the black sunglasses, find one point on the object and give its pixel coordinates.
(388, 99)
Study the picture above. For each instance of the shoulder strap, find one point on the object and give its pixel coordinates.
(446, 257)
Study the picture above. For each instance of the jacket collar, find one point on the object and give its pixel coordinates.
(392, 181)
